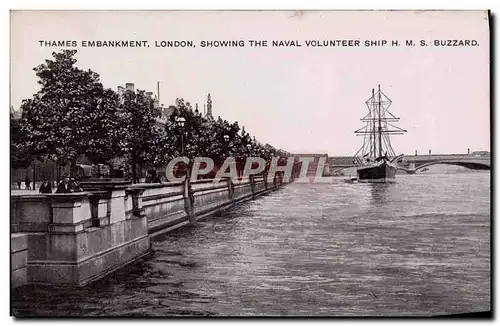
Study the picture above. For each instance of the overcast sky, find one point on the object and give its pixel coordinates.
(301, 99)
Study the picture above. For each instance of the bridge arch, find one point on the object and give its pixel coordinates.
(465, 164)
(472, 165)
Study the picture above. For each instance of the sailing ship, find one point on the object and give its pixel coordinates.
(376, 160)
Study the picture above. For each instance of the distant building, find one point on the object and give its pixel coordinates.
(209, 108)
(130, 87)
(481, 153)
(165, 112)
(120, 91)
(16, 114)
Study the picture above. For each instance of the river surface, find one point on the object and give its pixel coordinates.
(420, 246)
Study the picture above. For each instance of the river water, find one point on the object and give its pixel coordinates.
(420, 246)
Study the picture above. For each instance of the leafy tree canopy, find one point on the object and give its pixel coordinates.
(71, 114)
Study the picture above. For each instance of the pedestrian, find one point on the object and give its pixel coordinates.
(156, 179)
(19, 184)
(76, 185)
(64, 186)
(27, 183)
(46, 187)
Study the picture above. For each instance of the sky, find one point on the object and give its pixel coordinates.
(300, 99)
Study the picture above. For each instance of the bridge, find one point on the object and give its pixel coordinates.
(414, 163)
(312, 168)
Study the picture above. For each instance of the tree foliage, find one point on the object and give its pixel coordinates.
(205, 137)
(71, 114)
(143, 141)
(74, 114)
(19, 151)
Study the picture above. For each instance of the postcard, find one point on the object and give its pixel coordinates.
(250, 163)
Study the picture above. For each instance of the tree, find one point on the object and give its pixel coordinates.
(143, 140)
(19, 151)
(196, 140)
(71, 114)
(107, 129)
(205, 137)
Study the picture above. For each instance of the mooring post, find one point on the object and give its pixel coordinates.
(230, 188)
(137, 205)
(100, 208)
(189, 197)
(252, 183)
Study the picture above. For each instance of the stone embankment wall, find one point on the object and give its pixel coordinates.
(77, 238)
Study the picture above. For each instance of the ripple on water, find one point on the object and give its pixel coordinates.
(417, 247)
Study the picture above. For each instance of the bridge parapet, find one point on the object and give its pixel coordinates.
(413, 163)
(348, 160)
(445, 157)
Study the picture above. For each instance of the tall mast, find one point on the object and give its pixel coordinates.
(378, 112)
(379, 125)
(373, 138)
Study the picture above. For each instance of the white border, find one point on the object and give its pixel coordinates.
(186, 4)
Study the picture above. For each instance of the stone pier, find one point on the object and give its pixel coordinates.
(74, 239)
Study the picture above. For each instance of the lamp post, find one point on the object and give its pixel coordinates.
(226, 139)
(264, 172)
(249, 146)
(180, 122)
(187, 191)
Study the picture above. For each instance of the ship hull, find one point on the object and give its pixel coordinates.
(384, 172)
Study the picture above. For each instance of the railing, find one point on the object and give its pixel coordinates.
(163, 204)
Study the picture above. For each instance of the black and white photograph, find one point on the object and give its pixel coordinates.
(260, 163)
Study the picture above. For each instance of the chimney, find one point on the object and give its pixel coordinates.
(129, 86)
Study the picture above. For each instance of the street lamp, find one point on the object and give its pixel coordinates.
(180, 122)
(264, 156)
(226, 139)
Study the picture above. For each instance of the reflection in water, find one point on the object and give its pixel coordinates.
(420, 246)
(380, 192)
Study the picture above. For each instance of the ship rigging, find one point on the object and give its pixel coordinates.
(378, 126)
(375, 159)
